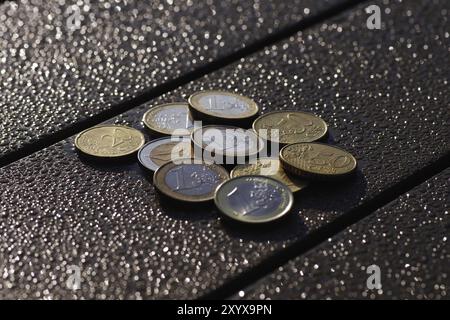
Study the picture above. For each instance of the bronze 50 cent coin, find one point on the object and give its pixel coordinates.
(317, 161)
(189, 181)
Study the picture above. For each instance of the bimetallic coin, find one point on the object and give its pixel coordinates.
(317, 160)
(269, 167)
(160, 151)
(222, 104)
(109, 141)
(290, 127)
(189, 181)
(254, 199)
(169, 118)
(227, 141)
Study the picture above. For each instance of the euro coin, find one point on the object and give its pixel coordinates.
(187, 180)
(317, 161)
(286, 127)
(160, 151)
(109, 141)
(169, 119)
(227, 141)
(254, 199)
(269, 167)
(222, 105)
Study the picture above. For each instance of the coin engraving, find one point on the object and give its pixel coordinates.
(109, 141)
(269, 167)
(227, 140)
(223, 104)
(160, 151)
(170, 151)
(290, 126)
(318, 158)
(253, 199)
(192, 180)
(189, 181)
(168, 118)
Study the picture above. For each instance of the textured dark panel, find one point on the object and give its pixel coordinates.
(51, 77)
(384, 94)
(407, 239)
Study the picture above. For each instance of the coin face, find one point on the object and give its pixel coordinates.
(170, 118)
(160, 151)
(227, 140)
(317, 160)
(269, 167)
(253, 199)
(290, 127)
(189, 181)
(109, 141)
(222, 104)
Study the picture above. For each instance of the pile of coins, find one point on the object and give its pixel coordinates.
(190, 162)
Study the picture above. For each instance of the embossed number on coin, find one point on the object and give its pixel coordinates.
(254, 199)
(109, 141)
(222, 104)
(316, 160)
(191, 182)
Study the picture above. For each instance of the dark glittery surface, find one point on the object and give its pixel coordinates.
(384, 94)
(53, 75)
(407, 239)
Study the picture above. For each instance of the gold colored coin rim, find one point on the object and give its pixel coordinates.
(260, 140)
(310, 173)
(193, 103)
(162, 106)
(164, 189)
(294, 189)
(79, 148)
(229, 212)
(182, 139)
(290, 111)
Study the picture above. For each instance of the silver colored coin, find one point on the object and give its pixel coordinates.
(222, 104)
(160, 151)
(169, 119)
(253, 199)
(189, 181)
(227, 141)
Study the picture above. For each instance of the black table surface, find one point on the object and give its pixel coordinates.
(384, 94)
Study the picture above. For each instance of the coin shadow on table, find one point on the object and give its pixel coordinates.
(110, 165)
(332, 198)
(178, 210)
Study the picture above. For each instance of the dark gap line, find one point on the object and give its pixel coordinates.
(147, 95)
(319, 236)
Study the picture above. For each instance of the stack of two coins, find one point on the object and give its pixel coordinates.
(301, 155)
